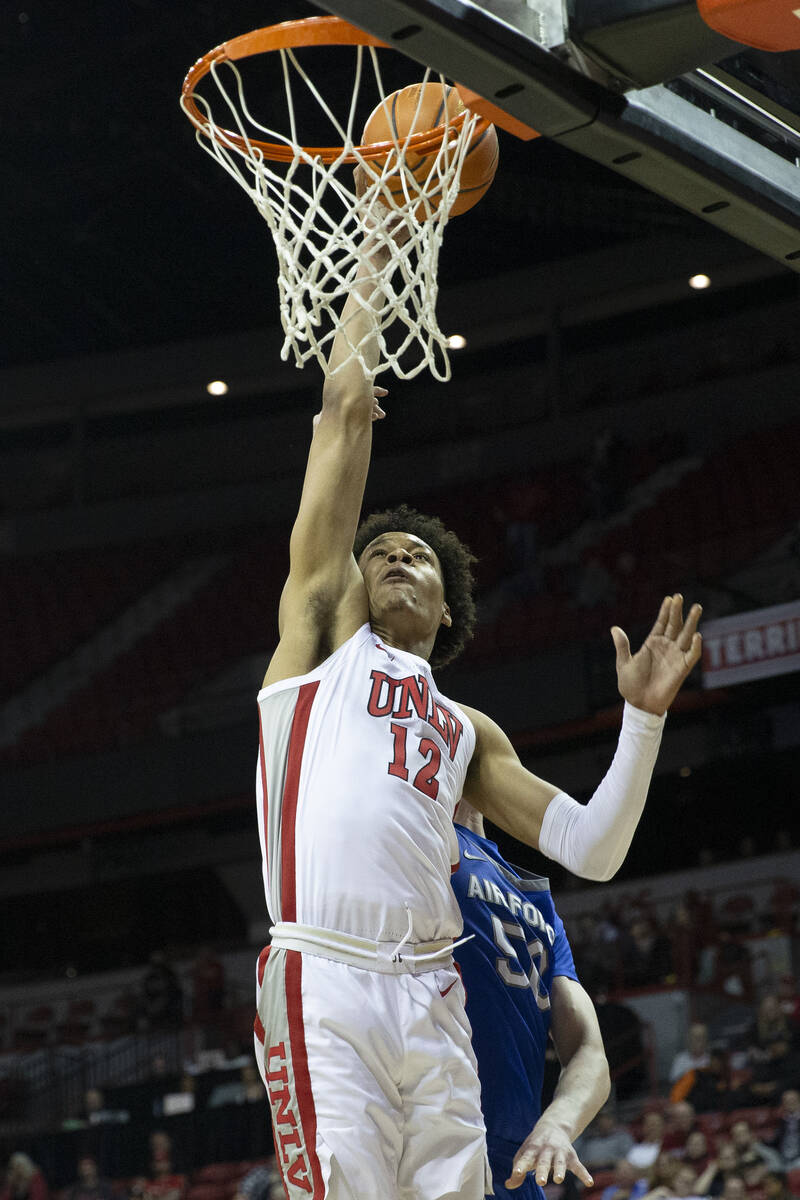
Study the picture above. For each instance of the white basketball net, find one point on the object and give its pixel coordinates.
(318, 222)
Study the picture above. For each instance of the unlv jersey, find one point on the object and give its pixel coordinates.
(519, 945)
(361, 764)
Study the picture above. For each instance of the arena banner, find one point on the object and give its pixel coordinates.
(751, 645)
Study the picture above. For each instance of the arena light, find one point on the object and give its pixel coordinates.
(685, 772)
(456, 341)
(699, 282)
(217, 387)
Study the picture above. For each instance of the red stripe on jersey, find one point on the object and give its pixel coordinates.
(258, 1030)
(291, 787)
(302, 1080)
(262, 964)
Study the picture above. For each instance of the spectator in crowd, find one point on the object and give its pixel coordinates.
(262, 1183)
(748, 1148)
(629, 1183)
(604, 1142)
(162, 996)
(771, 1026)
(696, 1153)
(682, 1184)
(164, 1183)
(662, 1173)
(726, 1163)
(774, 1059)
(786, 1142)
(208, 988)
(24, 1180)
(734, 1188)
(708, 1088)
(694, 1056)
(645, 1152)
(754, 1172)
(89, 1184)
(680, 1121)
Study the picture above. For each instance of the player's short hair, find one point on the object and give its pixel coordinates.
(456, 560)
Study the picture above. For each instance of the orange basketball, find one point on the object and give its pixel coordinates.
(406, 112)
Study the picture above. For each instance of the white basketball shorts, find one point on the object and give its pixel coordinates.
(371, 1081)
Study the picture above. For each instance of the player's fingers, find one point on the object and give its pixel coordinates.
(579, 1170)
(621, 645)
(694, 652)
(543, 1164)
(686, 635)
(524, 1161)
(663, 616)
(675, 619)
(559, 1166)
(379, 391)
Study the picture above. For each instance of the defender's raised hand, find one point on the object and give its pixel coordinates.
(651, 678)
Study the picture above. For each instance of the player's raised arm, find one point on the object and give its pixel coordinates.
(323, 577)
(338, 460)
(582, 1089)
(592, 840)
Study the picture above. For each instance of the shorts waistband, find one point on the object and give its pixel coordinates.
(412, 958)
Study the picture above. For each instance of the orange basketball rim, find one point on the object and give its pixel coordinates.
(293, 35)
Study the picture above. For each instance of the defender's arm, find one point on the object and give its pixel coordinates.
(582, 1089)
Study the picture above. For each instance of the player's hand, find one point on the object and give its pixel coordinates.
(651, 678)
(547, 1151)
(378, 414)
(380, 213)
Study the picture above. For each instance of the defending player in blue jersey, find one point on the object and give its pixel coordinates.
(521, 987)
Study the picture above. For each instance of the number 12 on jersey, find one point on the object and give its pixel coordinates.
(425, 780)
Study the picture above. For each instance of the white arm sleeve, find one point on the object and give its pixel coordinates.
(591, 840)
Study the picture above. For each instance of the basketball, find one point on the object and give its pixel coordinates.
(415, 109)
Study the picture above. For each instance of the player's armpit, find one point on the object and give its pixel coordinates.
(500, 787)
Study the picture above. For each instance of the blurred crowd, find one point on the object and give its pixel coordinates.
(160, 1179)
(628, 945)
(674, 1152)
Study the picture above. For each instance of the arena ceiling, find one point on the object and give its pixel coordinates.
(118, 233)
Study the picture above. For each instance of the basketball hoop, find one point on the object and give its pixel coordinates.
(314, 213)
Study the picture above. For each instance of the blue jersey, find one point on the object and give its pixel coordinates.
(519, 945)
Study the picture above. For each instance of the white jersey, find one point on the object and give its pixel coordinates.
(362, 762)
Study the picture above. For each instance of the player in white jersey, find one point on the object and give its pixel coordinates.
(362, 1038)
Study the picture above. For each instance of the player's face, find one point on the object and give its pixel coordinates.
(403, 576)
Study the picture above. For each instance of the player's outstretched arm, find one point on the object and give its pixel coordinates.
(323, 577)
(592, 840)
(582, 1090)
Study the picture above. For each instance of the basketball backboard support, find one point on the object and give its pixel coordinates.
(701, 137)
